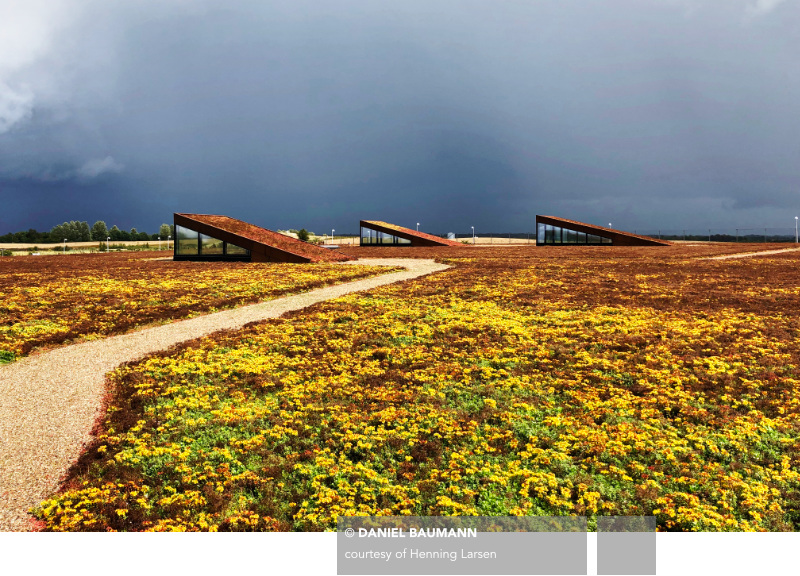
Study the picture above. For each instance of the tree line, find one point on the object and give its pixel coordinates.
(75, 231)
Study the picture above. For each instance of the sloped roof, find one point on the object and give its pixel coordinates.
(268, 238)
(410, 232)
(609, 232)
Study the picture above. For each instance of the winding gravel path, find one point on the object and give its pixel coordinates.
(49, 402)
(751, 254)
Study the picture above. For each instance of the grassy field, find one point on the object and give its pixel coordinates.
(54, 300)
(522, 381)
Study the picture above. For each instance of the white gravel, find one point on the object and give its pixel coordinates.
(751, 254)
(49, 402)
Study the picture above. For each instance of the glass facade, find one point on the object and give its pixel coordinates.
(370, 237)
(190, 243)
(234, 250)
(186, 241)
(556, 236)
(211, 246)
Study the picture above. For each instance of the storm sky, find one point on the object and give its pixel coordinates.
(453, 113)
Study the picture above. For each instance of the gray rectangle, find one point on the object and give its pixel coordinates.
(461, 545)
(626, 545)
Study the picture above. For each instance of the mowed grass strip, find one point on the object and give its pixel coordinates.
(615, 382)
(53, 300)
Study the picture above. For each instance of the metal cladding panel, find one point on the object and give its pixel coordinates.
(617, 237)
(415, 238)
(270, 254)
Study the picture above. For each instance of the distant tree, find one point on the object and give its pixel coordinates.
(303, 235)
(60, 232)
(164, 231)
(143, 236)
(85, 231)
(99, 231)
(115, 233)
(72, 231)
(134, 233)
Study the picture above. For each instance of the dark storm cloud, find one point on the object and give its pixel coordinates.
(659, 114)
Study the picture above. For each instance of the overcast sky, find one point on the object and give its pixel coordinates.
(453, 113)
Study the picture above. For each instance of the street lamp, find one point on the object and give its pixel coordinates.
(65, 245)
(169, 237)
(417, 226)
(332, 231)
(473, 234)
(108, 248)
(795, 229)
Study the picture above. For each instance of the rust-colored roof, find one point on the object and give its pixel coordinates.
(269, 238)
(410, 232)
(612, 231)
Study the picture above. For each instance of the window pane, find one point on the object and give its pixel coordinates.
(186, 241)
(210, 246)
(606, 240)
(594, 239)
(235, 250)
(557, 235)
(540, 234)
(581, 237)
(570, 236)
(403, 241)
(548, 234)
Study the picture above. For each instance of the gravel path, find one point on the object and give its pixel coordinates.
(751, 254)
(49, 402)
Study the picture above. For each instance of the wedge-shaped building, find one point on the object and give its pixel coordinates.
(552, 231)
(378, 233)
(207, 237)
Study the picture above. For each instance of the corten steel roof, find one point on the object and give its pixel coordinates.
(618, 237)
(264, 245)
(416, 238)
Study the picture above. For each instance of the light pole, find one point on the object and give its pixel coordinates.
(169, 237)
(473, 234)
(65, 245)
(108, 248)
(795, 229)
(332, 231)
(417, 226)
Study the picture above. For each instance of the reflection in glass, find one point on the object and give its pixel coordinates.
(540, 234)
(186, 241)
(234, 250)
(210, 246)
